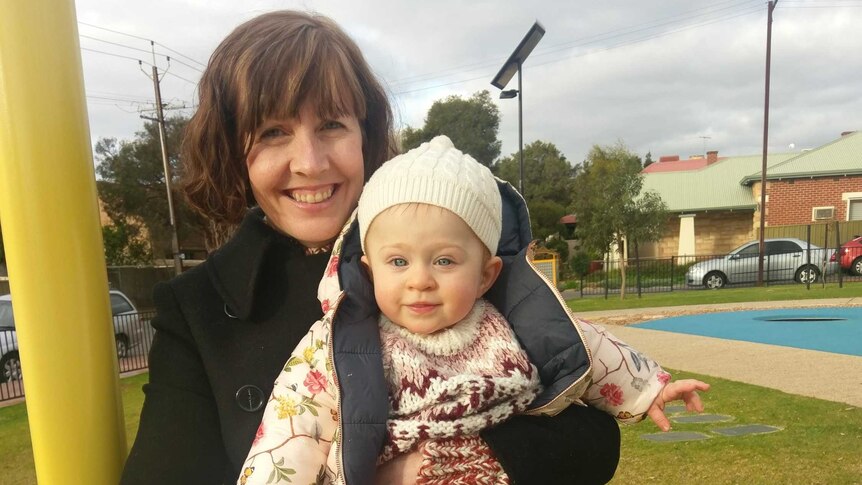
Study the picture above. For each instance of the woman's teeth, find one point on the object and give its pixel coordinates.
(312, 197)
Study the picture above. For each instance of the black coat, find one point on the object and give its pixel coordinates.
(223, 332)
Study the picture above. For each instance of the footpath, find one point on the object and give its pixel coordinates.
(824, 375)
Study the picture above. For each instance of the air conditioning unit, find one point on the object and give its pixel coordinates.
(823, 213)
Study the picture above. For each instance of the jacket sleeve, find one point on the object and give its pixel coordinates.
(625, 382)
(179, 438)
(300, 420)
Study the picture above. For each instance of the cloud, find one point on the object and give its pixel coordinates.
(658, 75)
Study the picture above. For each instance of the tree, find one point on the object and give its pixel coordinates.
(611, 206)
(548, 184)
(132, 185)
(471, 124)
(124, 245)
(648, 159)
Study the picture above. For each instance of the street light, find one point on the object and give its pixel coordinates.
(514, 63)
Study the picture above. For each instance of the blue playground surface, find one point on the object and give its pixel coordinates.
(836, 330)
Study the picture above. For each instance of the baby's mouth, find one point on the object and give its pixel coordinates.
(311, 196)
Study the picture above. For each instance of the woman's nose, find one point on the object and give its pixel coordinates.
(309, 156)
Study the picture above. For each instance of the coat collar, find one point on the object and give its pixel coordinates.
(235, 268)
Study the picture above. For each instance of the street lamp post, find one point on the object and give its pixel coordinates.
(514, 63)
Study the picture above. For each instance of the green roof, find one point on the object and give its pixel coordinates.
(714, 187)
(840, 157)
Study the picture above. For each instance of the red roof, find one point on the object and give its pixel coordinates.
(569, 219)
(678, 166)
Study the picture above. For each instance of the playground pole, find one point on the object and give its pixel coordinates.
(53, 243)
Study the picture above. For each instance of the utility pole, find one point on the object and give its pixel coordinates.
(160, 119)
(760, 258)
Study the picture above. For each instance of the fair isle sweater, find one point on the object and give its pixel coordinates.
(454, 382)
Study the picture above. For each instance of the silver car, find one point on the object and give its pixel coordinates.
(785, 259)
(129, 330)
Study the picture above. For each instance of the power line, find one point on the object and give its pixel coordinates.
(747, 11)
(114, 31)
(143, 38)
(182, 55)
(180, 77)
(115, 55)
(590, 39)
(114, 43)
(126, 46)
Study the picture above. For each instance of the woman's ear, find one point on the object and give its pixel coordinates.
(367, 266)
(490, 272)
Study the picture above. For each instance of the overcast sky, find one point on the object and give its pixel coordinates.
(659, 75)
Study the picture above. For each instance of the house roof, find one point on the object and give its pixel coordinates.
(676, 165)
(839, 157)
(714, 187)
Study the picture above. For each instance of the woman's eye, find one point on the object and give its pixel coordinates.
(332, 125)
(444, 261)
(270, 133)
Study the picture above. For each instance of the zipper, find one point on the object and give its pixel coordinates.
(531, 250)
(331, 358)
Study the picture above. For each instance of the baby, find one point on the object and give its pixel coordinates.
(429, 224)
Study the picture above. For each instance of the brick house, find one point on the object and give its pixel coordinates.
(714, 207)
(824, 184)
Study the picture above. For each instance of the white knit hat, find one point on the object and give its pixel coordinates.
(436, 173)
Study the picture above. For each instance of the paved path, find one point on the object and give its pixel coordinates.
(835, 377)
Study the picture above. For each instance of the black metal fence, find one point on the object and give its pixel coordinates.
(132, 332)
(654, 275)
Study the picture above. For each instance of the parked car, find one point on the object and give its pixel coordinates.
(129, 330)
(785, 259)
(851, 255)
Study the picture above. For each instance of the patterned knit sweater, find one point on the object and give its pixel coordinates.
(454, 382)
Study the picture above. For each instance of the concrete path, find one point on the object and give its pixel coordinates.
(824, 375)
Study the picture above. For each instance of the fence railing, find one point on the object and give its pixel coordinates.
(132, 332)
(654, 275)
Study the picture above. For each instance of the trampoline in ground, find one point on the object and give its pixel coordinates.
(836, 330)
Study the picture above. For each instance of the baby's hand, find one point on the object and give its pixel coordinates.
(686, 390)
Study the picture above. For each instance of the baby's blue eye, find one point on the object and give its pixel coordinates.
(399, 262)
(444, 261)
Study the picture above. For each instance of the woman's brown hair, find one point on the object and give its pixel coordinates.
(266, 68)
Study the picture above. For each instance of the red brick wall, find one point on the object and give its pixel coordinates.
(791, 201)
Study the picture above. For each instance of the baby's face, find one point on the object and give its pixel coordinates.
(427, 265)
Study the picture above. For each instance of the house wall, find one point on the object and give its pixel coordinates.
(719, 232)
(714, 233)
(791, 201)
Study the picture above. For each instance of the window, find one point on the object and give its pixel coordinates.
(782, 247)
(750, 251)
(120, 304)
(6, 318)
(855, 212)
(822, 213)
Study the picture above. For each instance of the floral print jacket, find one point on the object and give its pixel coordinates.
(300, 438)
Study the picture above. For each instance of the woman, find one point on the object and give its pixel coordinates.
(291, 122)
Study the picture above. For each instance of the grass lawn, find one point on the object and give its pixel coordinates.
(820, 441)
(724, 295)
(16, 455)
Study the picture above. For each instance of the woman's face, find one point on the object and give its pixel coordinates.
(307, 173)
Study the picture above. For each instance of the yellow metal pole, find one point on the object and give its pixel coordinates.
(53, 245)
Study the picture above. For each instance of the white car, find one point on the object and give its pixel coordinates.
(128, 332)
(785, 259)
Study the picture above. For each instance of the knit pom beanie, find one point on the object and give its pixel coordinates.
(436, 173)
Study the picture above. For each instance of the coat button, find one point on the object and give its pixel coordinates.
(249, 398)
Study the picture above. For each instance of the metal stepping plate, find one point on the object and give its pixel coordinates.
(746, 429)
(701, 418)
(675, 436)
